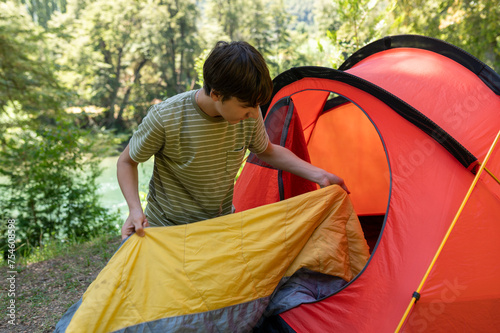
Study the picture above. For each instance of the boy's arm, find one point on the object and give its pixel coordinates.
(129, 184)
(282, 158)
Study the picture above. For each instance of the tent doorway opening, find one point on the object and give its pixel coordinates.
(341, 139)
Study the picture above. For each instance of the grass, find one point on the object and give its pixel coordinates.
(52, 279)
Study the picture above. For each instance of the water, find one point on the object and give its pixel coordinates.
(109, 191)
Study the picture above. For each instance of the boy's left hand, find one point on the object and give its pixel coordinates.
(331, 179)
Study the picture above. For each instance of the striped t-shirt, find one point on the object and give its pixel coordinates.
(196, 159)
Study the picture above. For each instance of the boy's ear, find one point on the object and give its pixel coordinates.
(215, 96)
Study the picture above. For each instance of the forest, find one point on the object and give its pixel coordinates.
(78, 76)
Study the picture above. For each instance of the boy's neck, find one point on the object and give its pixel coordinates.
(206, 103)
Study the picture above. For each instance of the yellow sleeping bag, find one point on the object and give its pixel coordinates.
(219, 274)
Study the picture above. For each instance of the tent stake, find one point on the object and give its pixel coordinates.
(443, 242)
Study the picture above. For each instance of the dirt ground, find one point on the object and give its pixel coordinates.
(45, 290)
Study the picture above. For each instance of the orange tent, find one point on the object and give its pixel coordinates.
(410, 123)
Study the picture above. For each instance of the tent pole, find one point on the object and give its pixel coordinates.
(464, 202)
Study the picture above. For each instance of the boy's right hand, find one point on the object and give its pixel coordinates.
(136, 222)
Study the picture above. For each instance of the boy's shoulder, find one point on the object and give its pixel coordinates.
(173, 107)
(184, 98)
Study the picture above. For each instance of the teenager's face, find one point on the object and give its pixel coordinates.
(234, 111)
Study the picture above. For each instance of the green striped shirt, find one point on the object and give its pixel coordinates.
(196, 159)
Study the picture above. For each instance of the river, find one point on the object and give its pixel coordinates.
(109, 191)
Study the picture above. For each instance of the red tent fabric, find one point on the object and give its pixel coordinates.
(405, 121)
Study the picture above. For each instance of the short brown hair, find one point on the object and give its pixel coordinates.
(238, 70)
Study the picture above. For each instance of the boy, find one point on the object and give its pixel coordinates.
(199, 139)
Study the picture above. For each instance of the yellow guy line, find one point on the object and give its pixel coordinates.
(413, 300)
(491, 174)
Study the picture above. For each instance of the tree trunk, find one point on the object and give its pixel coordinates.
(137, 75)
(175, 79)
(115, 85)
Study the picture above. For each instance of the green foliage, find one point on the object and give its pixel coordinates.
(227, 14)
(41, 11)
(302, 10)
(357, 23)
(280, 54)
(470, 25)
(26, 75)
(198, 66)
(48, 164)
(51, 188)
(121, 55)
(280, 30)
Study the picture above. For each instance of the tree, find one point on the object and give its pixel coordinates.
(267, 25)
(228, 14)
(47, 163)
(51, 190)
(26, 77)
(109, 57)
(470, 25)
(176, 45)
(252, 26)
(121, 55)
(281, 54)
(359, 23)
(41, 11)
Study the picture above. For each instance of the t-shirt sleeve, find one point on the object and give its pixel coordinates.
(149, 137)
(260, 139)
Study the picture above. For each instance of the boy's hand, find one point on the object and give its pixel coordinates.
(331, 179)
(136, 222)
